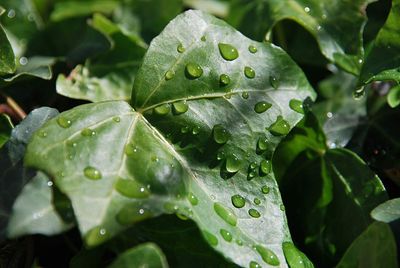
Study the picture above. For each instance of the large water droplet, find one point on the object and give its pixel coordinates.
(252, 49)
(262, 106)
(265, 189)
(92, 173)
(131, 188)
(220, 134)
(232, 163)
(280, 127)
(225, 213)
(254, 213)
(211, 239)
(292, 255)
(238, 201)
(193, 70)
(228, 52)
(226, 235)
(224, 79)
(87, 132)
(169, 75)
(254, 264)
(268, 255)
(193, 199)
(249, 72)
(130, 214)
(64, 122)
(296, 105)
(265, 167)
(180, 48)
(162, 109)
(274, 82)
(180, 107)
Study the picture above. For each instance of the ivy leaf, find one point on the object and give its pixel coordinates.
(388, 211)
(145, 255)
(336, 25)
(204, 160)
(375, 247)
(5, 129)
(110, 76)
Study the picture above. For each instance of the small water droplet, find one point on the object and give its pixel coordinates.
(180, 48)
(131, 188)
(23, 61)
(193, 199)
(232, 163)
(180, 107)
(254, 213)
(359, 92)
(239, 242)
(154, 158)
(274, 82)
(220, 155)
(307, 9)
(280, 127)
(249, 72)
(265, 167)
(226, 235)
(185, 129)
(64, 122)
(296, 105)
(49, 183)
(252, 49)
(92, 173)
(265, 189)
(224, 79)
(87, 132)
(245, 95)
(203, 38)
(268, 255)
(257, 201)
(329, 114)
(253, 165)
(169, 75)
(262, 106)
(11, 13)
(131, 149)
(282, 207)
(238, 201)
(251, 175)
(220, 134)
(162, 109)
(225, 213)
(262, 144)
(196, 130)
(193, 70)
(228, 52)
(129, 214)
(42, 134)
(116, 119)
(210, 238)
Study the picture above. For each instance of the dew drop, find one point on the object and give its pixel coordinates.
(359, 92)
(307, 9)
(262, 144)
(220, 134)
(131, 188)
(130, 149)
(280, 127)
(225, 213)
(268, 255)
(116, 119)
(193, 199)
(252, 49)
(254, 213)
(180, 48)
(254, 264)
(245, 95)
(130, 214)
(193, 70)
(92, 173)
(226, 235)
(11, 13)
(196, 130)
(296, 105)
(239, 242)
(42, 134)
(253, 165)
(232, 163)
(210, 238)
(203, 38)
(23, 61)
(220, 155)
(87, 132)
(49, 183)
(265, 189)
(257, 201)
(238, 201)
(170, 207)
(224, 79)
(96, 236)
(228, 52)
(265, 167)
(282, 207)
(162, 109)
(249, 72)
(251, 175)
(169, 75)
(185, 129)
(180, 107)
(63, 122)
(274, 82)
(262, 106)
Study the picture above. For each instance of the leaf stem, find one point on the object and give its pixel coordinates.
(14, 106)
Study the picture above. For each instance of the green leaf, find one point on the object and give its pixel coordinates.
(375, 247)
(34, 212)
(388, 211)
(145, 255)
(336, 25)
(393, 98)
(383, 60)
(108, 77)
(5, 129)
(119, 166)
(7, 62)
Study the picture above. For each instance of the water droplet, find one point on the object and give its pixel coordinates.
(225, 213)
(282, 207)
(359, 92)
(274, 82)
(131, 188)
(232, 163)
(154, 158)
(280, 127)
(265, 167)
(210, 238)
(63, 122)
(129, 214)
(254, 264)
(252, 49)
(180, 107)
(254, 213)
(220, 134)
(226, 235)
(265, 189)
(296, 105)
(268, 255)
(162, 109)
(239, 242)
(193, 70)
(245, 95)
(87, 132)
(238, 201)
(23, 61)
(130, 149)
(262, 106)
(49, 183)
(257, 201)
(196, 130)
(169, 75)
(11, 13)
(221, 155)
(253, 165)
(193, 199)
(42, 134)
(251, 175)
(329, 114)
(116, 119)
(307, 9)
(224, 79)
(92, 173)
(262, 144)
(203, 38)
(180, 48)
(228, 52)
(96, 236)
(170, 207)
(185, 129)
(249, 72)
(292, 255)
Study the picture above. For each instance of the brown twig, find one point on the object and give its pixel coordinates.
(14, 106)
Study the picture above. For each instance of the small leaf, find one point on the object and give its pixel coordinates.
(5, 129)
(388, 211)
(393, 97)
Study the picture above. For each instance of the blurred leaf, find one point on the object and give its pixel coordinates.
(145, 255)
(7, 58)
(215, 7)
(388, 211)
(5, 129)
(109, 76)
(375, 247)
(393, 98)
